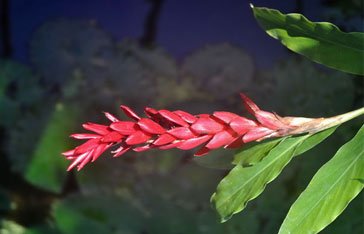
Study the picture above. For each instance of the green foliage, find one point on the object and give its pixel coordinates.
(60, 47)
(10, 227)
(330, 190)
(220, 70)
(47, 169)
(158, 192)
(359, 180)
(19, 91)
(21, 111)
(350, 221)
(88, 61)
(148, 183)
(243, 184)
(249, 156)
(321, 42)
(338, 181)
(23, 139)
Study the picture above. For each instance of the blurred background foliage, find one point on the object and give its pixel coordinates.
(77, 70)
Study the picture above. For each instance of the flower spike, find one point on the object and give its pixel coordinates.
(164, 129)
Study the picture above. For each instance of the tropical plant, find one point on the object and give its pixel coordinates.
(335, 184)
(90, 69)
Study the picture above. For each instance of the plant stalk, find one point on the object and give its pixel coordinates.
(314, 125)
(339, 119)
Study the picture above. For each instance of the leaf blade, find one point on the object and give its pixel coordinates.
(229, 201)
(321, 202)
(47, 169)
(319, 41)
(243, 184)
(250, 156)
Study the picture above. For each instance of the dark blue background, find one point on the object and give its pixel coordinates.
(183, 25)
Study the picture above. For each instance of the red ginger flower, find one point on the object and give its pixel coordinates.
(164, 129)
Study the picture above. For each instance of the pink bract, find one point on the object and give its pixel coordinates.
(164, 129)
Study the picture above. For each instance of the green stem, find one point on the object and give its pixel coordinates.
(307, 125)
(339, 119)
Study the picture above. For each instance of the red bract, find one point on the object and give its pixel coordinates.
(164, 129)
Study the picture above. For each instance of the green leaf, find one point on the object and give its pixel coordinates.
(360, 180)
(330, 190)
(210, 62)
(243, 184)
(26, 93)
(47, 168)
(321, 42)
(314, 140)
(249, 156)
(254, 154)
(11, 227)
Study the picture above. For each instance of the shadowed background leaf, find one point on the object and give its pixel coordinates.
(47, 169)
